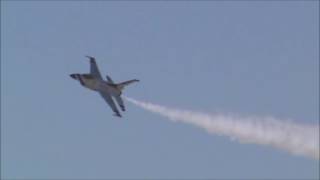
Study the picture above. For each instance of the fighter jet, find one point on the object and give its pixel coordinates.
(107, 89)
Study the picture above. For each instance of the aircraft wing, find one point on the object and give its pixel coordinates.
(94, 68)
(111, 103)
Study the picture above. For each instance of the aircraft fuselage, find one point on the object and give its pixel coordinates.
(96, 84)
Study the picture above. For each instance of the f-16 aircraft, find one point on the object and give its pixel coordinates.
(107, 89)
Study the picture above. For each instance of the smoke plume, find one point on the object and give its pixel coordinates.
(295, 138)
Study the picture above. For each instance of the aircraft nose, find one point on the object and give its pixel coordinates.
(73, 76)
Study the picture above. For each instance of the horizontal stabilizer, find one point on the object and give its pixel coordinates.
(126, 83)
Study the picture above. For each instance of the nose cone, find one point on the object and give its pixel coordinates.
(73, 76)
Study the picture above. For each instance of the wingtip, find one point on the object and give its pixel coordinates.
(122, 108)
(118, 115)
(90, 57)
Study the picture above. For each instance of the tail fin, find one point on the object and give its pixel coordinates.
(126, 83)
(109, 79)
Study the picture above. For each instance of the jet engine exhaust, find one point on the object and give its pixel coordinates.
(297, 139)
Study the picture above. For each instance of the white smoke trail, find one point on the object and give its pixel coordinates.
(295, 138)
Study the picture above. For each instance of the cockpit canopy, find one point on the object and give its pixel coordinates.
(88, 76)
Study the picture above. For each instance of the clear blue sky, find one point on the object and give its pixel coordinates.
(249, 58)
